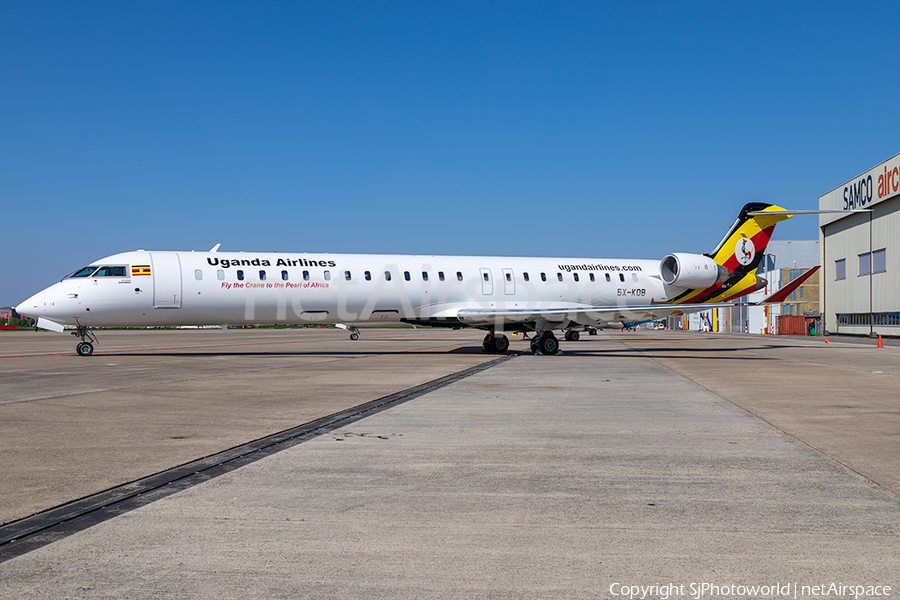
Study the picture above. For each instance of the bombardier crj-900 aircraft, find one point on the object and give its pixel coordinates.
(497, 294)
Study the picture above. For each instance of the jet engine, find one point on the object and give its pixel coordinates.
(691, 271)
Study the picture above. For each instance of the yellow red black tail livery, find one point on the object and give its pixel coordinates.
(740, 253)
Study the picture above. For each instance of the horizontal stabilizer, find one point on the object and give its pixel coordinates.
(787, 290)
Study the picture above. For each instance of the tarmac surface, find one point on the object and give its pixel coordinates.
(632, 459)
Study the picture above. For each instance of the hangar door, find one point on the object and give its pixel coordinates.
(166, 271)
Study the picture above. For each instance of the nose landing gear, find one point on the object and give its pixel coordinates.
(86, 346)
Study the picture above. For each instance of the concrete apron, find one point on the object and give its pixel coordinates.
(544, 477)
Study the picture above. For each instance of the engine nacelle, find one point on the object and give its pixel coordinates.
(691, 271)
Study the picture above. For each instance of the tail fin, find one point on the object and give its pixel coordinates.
(742, 248)
(740, 251)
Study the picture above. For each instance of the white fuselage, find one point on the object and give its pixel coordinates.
(217, 288)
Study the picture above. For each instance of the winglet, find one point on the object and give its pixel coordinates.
(787, 290)
(215, 248)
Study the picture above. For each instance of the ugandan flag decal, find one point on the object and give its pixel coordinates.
(137, 270)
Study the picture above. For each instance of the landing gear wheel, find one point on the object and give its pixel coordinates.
(497, 344)
(84, 349)
(501, 344)
(549, 344)
(535, 345)
(572, 335)
(354, 336)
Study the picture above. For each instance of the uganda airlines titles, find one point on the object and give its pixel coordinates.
(262, 262)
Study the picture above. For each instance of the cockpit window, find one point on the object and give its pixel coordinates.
(117, 271)
(85, 272)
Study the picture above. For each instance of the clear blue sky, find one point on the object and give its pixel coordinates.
(587, 129)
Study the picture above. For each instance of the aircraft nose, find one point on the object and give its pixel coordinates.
(25, 308)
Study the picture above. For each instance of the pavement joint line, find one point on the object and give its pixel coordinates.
(30, 533)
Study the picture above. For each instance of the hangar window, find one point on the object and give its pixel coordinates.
(220, 275)
(621, 277)
(575, 276)
(459, 276)
(441, 275)
(840, 269)
(284, 275)
(879, 263)
(525, 276)
(327, 275)
(198, 275)
(543, 277)
(262, 275)
(240, 275)
(347, 275)
(406, 275)
(865, 264)
(110, 272)
(368, 276)
(305, 275)
(607, 277)
(387, 275)
(424, 275)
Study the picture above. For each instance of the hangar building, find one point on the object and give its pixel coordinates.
(860, 254)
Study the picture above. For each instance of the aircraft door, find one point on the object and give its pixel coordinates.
(509, 280)
(166, 271)
(487, 283)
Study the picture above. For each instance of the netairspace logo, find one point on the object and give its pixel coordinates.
(697, 591)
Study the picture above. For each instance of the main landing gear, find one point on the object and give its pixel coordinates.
(493, 342)
(86, 346)
(545, 343)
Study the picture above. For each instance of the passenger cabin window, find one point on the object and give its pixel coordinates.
(607, 277)
(486, 277)
(347, 275)
(240, 275)
(262, 275)
(327, 275)
(509, 277)
(424, 275)
(592, 276)
(634, 276)
(368, 276)
(543, 277)
(198, 275)
(459, 276)
(559, 276)
(575, 275)
(284, 275)
(525, 276)
(441, 275)
(387, 275)
(406, 275)
(305, 275)
(220, 275)
(621, 277)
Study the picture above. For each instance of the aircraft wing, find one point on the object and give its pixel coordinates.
(580, 314)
